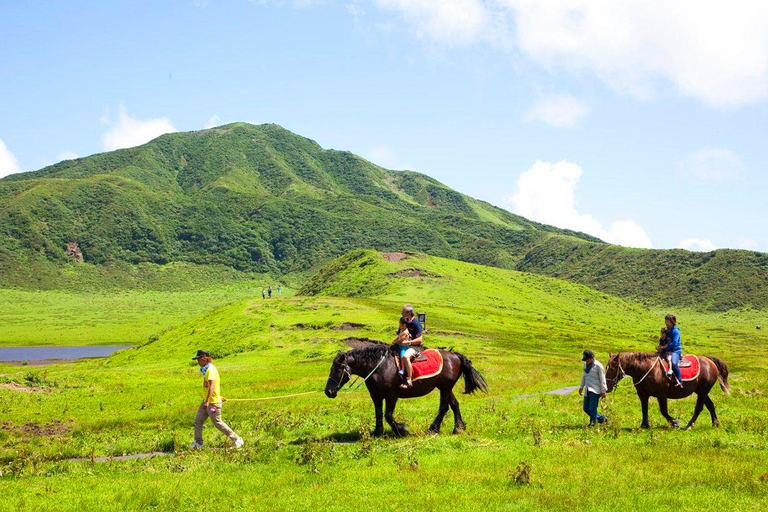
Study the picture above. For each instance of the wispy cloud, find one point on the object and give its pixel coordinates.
(747, 244)
(712, 164)
(8, 162)
(547, 193)
(451, 22)
(67, 155)
(561, 111)
(213, 122)
(697, 244)
(713, 51)
(127, 131)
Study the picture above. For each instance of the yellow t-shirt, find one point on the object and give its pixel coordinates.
(212, 374)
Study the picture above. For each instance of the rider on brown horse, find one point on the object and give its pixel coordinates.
(405, 342)
(673, 347)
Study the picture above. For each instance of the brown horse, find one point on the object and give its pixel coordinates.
(376, 362)
(649, 379)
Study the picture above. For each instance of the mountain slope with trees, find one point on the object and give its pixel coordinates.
(249, 199)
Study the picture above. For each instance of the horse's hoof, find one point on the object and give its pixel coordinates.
(645, 425)
(378, 433)
(688, 428)
(434, 430)
(716, 424)
(458, 429)
(675, 423)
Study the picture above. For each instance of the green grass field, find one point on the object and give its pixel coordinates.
(524, 332)
(53, 317)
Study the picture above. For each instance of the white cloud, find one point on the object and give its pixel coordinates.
(716, 52)
(712, 164)
(451, 22)
(697, 244)
(67, 155)
(562, 111)
(746, 244)
(8, 162)
(213, 122)
(547, 193)
(128, 131)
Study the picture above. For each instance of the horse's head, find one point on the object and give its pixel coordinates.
(614, 373)
(340, 375)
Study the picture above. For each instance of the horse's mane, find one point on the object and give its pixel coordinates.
(638, 357)
(371, 353)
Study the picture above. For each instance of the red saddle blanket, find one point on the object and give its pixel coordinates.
(429, 368)
(689, 372)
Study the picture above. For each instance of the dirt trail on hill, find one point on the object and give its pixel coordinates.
(13, 386)
(394, 257)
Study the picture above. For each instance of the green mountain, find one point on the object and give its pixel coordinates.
(244, 198)
(252, 198)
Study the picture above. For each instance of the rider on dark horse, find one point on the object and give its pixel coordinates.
(674, 348)
(409, 335)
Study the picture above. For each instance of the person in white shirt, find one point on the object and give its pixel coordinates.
(593, 379)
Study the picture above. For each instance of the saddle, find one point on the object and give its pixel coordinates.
(689, 370)
(420, 357)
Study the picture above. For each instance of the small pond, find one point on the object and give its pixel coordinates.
(31, 354)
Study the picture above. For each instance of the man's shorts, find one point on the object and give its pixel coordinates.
(407, 351)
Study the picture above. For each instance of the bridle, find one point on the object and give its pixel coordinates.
(620, 374)
(348, 372)
(340, 382)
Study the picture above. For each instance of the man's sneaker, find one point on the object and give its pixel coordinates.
(239, 442)
(196, 445)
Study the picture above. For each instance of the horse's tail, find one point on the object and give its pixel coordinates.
(722, 371)
(473, 380)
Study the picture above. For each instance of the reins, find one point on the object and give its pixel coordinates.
(372, 371)
(348, 372)
(267, 397)
(623, 374)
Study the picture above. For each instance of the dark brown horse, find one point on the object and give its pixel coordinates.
(378, 364)
(649, 379)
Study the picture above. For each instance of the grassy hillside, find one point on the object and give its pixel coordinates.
(524, 332)
(717, 280)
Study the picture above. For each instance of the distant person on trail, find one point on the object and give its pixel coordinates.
(279, 290)
(405, 343)
(269, 291)
(673, 347)
(263, 293)
(210, 407)
(593, 379)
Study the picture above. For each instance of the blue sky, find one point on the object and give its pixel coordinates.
(641, 122)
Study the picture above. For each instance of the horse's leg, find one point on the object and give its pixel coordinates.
(700, 399)
(389, 415)
(378, 403)
(644, 406)
(664, 412)
(711, 408)
(435, 426)
(458, 422)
